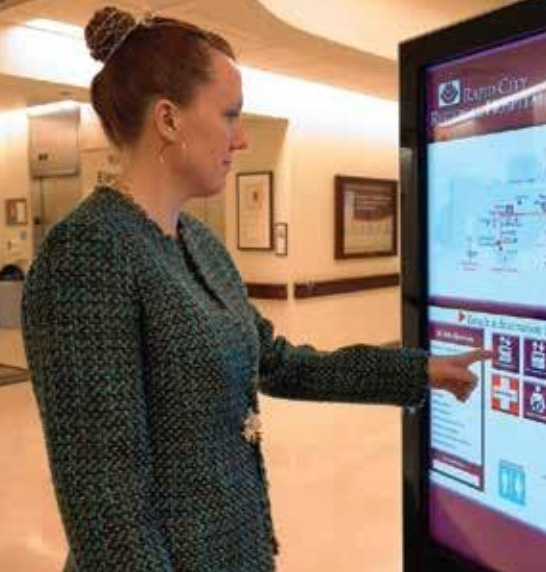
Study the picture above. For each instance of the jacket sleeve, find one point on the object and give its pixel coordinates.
(357, 373)
(81, 333)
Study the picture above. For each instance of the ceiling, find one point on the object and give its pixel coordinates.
(376, 26)
(18, 93)
(345, 43)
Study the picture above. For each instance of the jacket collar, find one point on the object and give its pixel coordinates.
(204, 261)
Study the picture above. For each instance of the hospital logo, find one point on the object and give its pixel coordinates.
(449, 93)
(505, 394)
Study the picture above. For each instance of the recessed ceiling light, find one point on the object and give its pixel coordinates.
(51, 107)
(57, 27)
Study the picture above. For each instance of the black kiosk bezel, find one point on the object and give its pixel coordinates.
(421, 552)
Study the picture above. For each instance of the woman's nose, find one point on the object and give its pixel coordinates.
(240, 140)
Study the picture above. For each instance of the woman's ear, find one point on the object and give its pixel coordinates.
(167, 119)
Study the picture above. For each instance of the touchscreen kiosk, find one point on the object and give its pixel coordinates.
(474, 186)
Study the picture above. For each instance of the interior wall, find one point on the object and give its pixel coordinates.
(319, 155)
(15, 183)
(268, 150)
(99, 161)
(328, 132)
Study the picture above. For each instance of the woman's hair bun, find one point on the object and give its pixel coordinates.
(106, 30)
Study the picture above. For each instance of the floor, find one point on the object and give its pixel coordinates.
(31, 537)
(334, 472)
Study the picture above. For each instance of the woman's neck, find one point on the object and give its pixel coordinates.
(155, 192)
(156, 205)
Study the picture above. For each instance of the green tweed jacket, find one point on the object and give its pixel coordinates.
(146, 356)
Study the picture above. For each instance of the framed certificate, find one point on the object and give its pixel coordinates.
(255, 211)
(365, 217)
(16, 212)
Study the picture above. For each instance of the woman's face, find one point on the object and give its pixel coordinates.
(212, 129)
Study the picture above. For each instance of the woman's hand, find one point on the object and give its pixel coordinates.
(452, 373)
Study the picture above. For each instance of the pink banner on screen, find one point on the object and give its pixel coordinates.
(460, 335)
(470, 468)
(500, 543)
(499, 90)
(519, 310)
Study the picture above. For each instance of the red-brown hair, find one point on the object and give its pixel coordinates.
(160, 57)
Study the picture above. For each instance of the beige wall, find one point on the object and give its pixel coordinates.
(60, 193)
(363, 317)
(322, 132)
(15, 183)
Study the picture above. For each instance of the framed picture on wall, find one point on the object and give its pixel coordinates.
(16, 212)
(255, 211)
(281, 239)
(365, 217)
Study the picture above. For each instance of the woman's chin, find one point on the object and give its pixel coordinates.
(211, 191)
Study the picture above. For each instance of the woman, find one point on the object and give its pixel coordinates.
(145, 352)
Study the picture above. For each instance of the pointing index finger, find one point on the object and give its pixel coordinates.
(473, 356)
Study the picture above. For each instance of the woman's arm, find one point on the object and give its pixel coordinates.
(360, 373)
(357, 373)
(81, 331)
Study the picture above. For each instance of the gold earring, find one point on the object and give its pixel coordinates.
(184, 148)
(161, 158)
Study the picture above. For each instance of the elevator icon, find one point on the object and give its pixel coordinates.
(512, 483)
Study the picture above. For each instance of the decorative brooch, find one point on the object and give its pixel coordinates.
(252, 427)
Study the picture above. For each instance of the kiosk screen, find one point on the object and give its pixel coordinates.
(486, 205)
